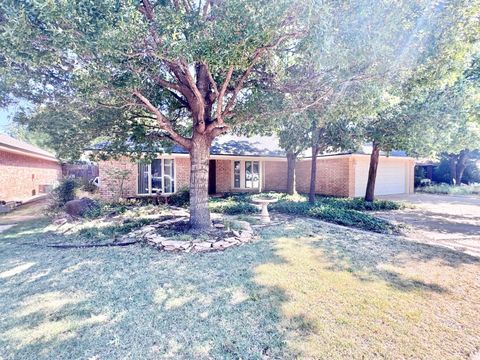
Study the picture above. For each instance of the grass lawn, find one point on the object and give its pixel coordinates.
(304, 289)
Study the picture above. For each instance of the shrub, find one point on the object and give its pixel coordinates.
(232, 206)
(62, 194)
(359, 204)
(335, 214)
(342, 211)
(180, 198)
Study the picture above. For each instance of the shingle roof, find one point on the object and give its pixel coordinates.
(232, 145)
(247, 146)
(14, 144)
(267, 146)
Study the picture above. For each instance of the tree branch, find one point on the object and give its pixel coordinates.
(163, 122)
(257, 55)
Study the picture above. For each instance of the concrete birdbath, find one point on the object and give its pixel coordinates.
(264, 201)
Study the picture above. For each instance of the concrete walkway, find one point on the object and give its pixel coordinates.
(451, 221)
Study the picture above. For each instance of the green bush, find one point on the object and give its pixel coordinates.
(360, 204)
(180, 198)
(62, 194)
(342, 211)
(335, 214)
(232, 206)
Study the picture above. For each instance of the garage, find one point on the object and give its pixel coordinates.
(393, 175)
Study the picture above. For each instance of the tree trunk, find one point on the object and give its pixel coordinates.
(461, 165)
(372, 173)
(291, 183)
(313, 175)
(453, 169)
(199, 158)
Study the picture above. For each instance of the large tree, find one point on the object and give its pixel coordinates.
(454, 111)
(410, 106)
(137, 72)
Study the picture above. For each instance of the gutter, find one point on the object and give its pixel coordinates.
(16, 150)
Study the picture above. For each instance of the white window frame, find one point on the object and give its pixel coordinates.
(149, 169)
(242, 175)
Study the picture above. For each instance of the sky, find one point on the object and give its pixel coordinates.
(4, 119)
(6, 115)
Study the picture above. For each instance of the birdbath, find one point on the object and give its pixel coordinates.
(264, 201)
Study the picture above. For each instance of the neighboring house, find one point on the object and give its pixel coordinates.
(258, 164)
(25, 170)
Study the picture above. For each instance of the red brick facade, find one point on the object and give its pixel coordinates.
(224, 175)
(22, 176)
(275, 176)
(335, 175)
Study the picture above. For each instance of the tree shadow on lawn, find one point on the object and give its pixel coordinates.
(368, 294)
(435, 222)
(137, 302)
(390, 258)
(305, 289)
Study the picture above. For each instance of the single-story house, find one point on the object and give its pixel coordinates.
(26, 171)
(258, 164)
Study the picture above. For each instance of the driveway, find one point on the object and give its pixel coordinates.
(452, 221)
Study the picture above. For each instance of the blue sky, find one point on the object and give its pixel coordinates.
(4, 119)
(6, 115)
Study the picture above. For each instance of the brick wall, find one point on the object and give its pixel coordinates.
(275, 176)
(334, 176)
(182, 169)
(224, 175)
(109, 187)
(20, 175)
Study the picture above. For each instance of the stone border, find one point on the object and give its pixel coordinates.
(148, 234)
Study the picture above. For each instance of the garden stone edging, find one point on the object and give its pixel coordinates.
(148, 234)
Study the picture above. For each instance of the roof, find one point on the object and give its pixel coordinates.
(247, 146)
(264, 146)
(11, 144)
(230, 145)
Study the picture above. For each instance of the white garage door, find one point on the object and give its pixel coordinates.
(391, 177)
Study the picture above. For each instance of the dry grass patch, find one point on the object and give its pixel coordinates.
(354, 296)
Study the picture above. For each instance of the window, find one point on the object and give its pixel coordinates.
(158, 177)
(252, 176)
(246, 174)
(236, 174)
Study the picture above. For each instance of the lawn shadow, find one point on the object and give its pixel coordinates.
(137, 303)
(374, 256)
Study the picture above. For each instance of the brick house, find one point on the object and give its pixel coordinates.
(258, 164)
(26, 171)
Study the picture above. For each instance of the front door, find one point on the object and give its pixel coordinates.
(212, 177)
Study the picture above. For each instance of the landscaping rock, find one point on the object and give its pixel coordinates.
(246, 236)
(156, 240)
(147, 229)
(172, 245)
(217, 238)
(80, 207)
(202, 246)
(173, 221)
(232, 240)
